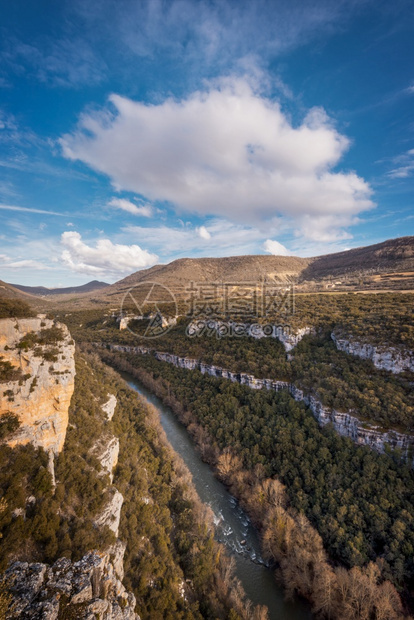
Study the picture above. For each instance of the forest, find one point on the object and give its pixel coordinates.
(169, 534)
(337, 379)
(359, 502)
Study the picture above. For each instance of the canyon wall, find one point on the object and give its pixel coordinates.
(394, 359)
(40, 393)
(345, 423)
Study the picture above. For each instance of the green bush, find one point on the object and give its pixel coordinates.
(9, 423)
(14, 308)
(8, 372)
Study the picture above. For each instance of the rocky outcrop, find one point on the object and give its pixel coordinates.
(225, 329)
(116, 553)
(290, 340)
(111, 514)
(394, 359)
(41, 395)
(346, 424)
(86, 590)
(107, 452)
(109, 407)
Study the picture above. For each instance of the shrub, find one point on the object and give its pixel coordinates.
(9, 423)
(14, 308)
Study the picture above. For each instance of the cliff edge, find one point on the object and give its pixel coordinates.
(37, 372)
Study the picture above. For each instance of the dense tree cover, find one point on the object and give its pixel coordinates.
(360, 502)
(377, 318)
(14, 308)
(348, 383)
(169, 535)
(59, 523)
(382, 318)
(338, 379)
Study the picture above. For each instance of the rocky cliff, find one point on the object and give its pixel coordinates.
(107, 452)
(223, 329)
(345, 423)
(41, 384)
(394, 359)
(87, 589)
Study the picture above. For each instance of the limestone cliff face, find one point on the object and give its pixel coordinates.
(111, 514)
(255, 330)
(109, 407)
(40, 398)
(87, 589)
(346, 423)
(107, 451)
(394, 359)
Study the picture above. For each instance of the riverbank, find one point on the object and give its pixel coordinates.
(288, 537)
(233, 526)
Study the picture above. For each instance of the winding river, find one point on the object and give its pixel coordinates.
(232, 524)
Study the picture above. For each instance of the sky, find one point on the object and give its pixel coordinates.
(137, 132)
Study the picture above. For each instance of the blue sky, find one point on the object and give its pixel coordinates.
(133, 133)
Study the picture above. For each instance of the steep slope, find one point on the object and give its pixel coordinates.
(85, 589)
(178, 275)
(391, 256)
(37, 372)
(10, 291)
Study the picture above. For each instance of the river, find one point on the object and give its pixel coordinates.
(232, 524)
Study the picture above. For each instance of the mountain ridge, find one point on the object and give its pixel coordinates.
(387, 264)
(384, 266)
(43, 290)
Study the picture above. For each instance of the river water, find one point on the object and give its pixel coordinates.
(232, 524)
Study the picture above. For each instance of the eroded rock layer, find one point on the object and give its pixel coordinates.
(42, 380)
(88, 589)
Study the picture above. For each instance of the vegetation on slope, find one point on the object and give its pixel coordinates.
(334, 377)
(14, 308)
(360, 502)
(169, 536)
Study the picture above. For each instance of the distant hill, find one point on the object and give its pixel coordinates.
(388, 257)
(11, 292)
(383, 266)
(387, 265)
(178, 275)
(43, 291)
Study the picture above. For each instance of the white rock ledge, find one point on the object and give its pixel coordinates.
(106, 451)
(109, 407)
(394, 359)
(345, 423)
(111, 514)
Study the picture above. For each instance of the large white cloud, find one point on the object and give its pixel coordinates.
(228, 152)
(275, 248)
(106, 258)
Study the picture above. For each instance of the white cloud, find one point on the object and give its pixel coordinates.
(275, 248)
(405, 165)
(206, 34)
(226, 239)
(104, 259)
(126, 205)
(26, 210)
(8, 263)
(67, 62)
(227, 152)
(203, 232)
